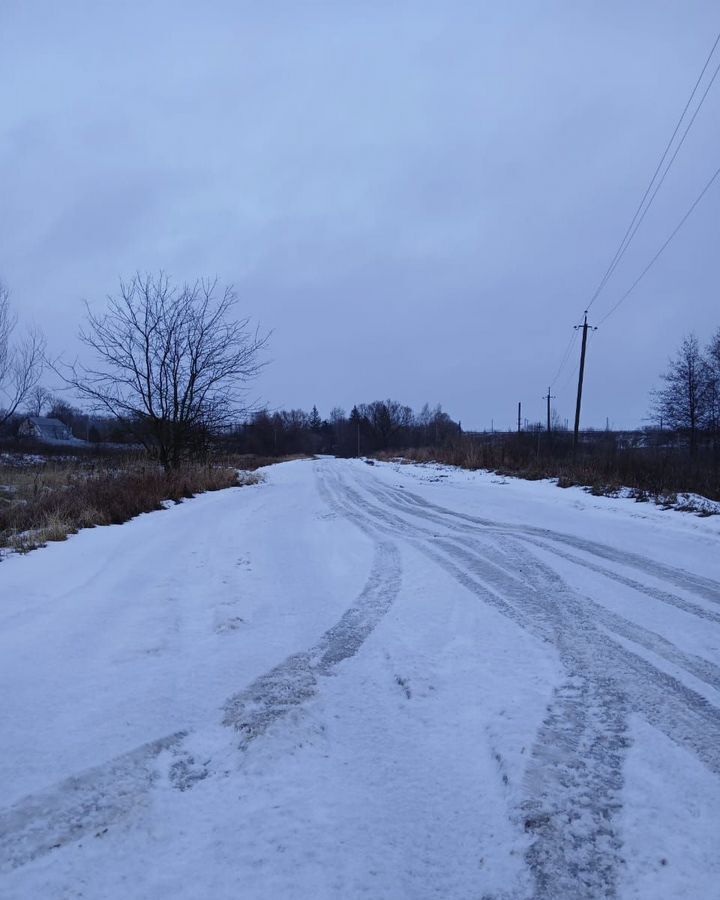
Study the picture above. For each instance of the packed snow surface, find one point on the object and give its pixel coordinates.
(383, 681)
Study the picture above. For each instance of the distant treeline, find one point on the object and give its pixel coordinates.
(369, 428)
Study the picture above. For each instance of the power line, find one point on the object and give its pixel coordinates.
(651, 192)
(672, 159)
(566, 356)
(570, 377)
(643, 208)
(655, 258)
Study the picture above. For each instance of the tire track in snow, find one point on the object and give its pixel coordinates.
(79, 805)
(573, 787)
(654, 593)
(545, 579)
(703, 587)
(275, 694)
(697, 666)
(574, 781)
(575, 778)
(96, 798)
(406, 501)
(544, 604)
(548, 608)
(538, 580)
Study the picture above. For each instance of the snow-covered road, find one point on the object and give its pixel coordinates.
(366, 680)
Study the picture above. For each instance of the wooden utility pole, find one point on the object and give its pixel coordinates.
(581, 375)
(519, 414)
(549, 397)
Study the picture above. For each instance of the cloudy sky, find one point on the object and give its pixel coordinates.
(418, 198)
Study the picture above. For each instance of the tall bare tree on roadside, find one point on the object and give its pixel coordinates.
(173, 363)
(684, 401)
(21, 360)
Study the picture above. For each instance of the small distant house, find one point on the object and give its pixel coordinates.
(43, 429)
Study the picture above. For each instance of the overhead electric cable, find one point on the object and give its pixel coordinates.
(652, 262)
(667, 169)
(643, 207)
(569, 378)
(566, 355)
(651, 191)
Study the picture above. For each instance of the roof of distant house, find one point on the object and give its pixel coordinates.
(45, 424)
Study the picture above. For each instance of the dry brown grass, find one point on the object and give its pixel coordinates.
(47, 502)
(251, 461)
(651, 473)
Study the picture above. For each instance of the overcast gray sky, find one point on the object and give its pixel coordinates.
(419, 198)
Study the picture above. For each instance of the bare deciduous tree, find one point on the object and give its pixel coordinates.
(21, 360)
(37, 400)
(171, 362)
(683, 403)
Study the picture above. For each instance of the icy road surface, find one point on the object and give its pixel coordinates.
(365, 681)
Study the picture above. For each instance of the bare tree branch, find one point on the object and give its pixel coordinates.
(171, 362)
(21, 360)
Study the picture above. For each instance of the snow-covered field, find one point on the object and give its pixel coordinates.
(380, 681)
